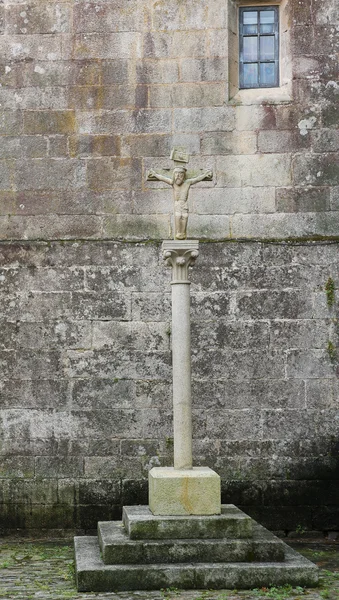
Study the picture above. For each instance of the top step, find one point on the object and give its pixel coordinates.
(140, 523)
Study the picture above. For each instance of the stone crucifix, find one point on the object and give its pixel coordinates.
(181, 187)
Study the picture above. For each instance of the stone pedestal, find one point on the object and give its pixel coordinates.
(184, 491)
(148, 552)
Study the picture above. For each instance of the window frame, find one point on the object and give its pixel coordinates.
(259, 35)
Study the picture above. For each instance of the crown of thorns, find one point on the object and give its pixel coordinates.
(179, 169)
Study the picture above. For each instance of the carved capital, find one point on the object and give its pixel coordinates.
(180, 255)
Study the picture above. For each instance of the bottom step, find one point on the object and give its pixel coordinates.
(94, 576)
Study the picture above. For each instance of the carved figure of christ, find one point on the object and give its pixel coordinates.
(181, 187)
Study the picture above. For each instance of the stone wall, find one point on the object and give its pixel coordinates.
(92, 95)
(86, 395)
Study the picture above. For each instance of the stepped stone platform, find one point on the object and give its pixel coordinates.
(147, 552)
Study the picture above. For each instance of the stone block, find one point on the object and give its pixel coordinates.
(259, 170)
(33, 98)
(204, 306)
(117, 548)
(217, 43)
(325, 140)
(61, 334)
(153, 202)
(37, 364)
(192, 16)
(112, 72)
(282, 304)
(6, 174)
(93, 575)
(43, 18)
(35, 394)
(304, 334)
(134, 335)
(50, 174)
(176, 44)
(100, 393)
(88, 306)
(58, 146)
(14, 467)
(184, 492)
(316, 169)
(203, 69)
(285, 226)
(157, 71)
(334, 198)
(153, 394)
(186, 95)
(249, 118)
(32, 491)
(111, 173)
(140, 523)
(42, 122)
(309, 199)
(90, 18)
(271, 141)
(279, 425)
(99, 492)
(309, 363)
(229, 201)
(146, 145)
(209, 226)
(59, 466)
(233, 428)
(31, 47)
(10, 147)
(229, 143)
(129, 227)
(11, 123)
(117, 45)
(125, 122)
(51, 226)
(235, 335)
(204, 119)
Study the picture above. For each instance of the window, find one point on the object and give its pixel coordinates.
(259, 47)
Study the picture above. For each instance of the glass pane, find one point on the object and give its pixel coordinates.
(267, 16)
(250, 18)
(267, 74)
(250, 48)
(250, 29)
(267, 28)
(267, 48)
(251, 75)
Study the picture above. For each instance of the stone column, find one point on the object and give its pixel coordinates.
(182, 489)
(180, 255)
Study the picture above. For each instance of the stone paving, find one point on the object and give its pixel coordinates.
(44, 569)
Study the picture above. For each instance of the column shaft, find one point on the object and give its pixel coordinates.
(181, 356)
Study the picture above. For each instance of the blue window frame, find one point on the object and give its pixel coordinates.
(259, 47)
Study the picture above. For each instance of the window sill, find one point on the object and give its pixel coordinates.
(276, 95)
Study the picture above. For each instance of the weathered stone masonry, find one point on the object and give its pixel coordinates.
(92, 95)
(86, 395)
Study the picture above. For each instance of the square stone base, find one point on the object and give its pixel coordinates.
(184, 491)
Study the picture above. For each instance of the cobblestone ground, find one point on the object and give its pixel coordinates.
(45, 570)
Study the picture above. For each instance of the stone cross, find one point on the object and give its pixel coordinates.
(181, 187)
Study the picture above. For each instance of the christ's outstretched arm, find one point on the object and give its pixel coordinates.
(206, 175)
(152, 175)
